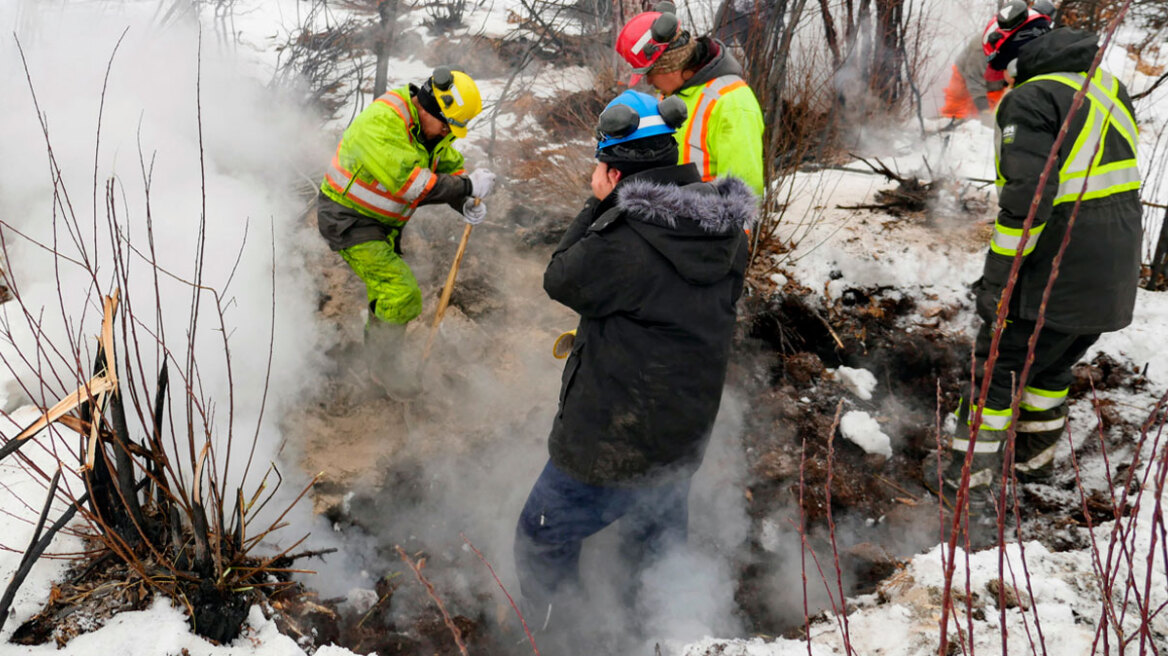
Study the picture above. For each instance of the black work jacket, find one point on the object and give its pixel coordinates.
(654, 271)
(1096, 286)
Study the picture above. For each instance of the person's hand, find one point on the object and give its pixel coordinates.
(986, 299)
(482, 182)
(474, 212)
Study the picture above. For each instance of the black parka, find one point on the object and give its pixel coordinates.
(1096, 287)
(654, 271)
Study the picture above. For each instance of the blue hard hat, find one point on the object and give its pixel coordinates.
(635, 115)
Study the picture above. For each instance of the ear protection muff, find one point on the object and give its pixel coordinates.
(673, 111)
(617, 122)
(441, 79)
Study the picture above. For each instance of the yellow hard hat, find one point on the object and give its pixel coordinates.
(457, 96)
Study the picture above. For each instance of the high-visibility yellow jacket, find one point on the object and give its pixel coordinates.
(382, 168)
(723, 133)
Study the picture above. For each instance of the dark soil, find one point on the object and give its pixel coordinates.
(786, 346)
(375, 627)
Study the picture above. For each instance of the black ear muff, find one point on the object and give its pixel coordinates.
(617, 121)
(1012, 15)
(673, 111)
(443, 78)
(664, 28)
(1044, 7)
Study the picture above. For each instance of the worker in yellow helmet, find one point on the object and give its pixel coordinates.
(395, 156)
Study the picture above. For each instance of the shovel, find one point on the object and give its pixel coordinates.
(447, 290)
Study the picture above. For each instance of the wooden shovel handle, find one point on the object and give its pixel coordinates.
(447, 290)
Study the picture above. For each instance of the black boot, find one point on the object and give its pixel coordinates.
(985, 472)
(1039, 433)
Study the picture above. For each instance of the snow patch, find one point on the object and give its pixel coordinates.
(863, 431)
(860, 382)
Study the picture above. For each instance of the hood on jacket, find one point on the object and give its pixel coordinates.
(722, 63)
(1063, 50)
(698, 227)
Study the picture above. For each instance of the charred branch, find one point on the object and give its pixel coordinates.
(30, 556)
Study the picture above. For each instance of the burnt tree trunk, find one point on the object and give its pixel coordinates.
(387, 16)
(888, 51)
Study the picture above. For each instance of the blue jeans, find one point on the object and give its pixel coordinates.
(561, 512)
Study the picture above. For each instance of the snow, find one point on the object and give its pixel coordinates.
(20, 491)
(860, 382)
(862, 430)
(168, 633)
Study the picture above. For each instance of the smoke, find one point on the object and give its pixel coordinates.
(181, 137)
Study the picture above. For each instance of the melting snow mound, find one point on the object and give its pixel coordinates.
(863, 431)
(860, 382)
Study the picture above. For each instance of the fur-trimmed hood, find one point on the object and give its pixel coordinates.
(699, 227)
(719, 207)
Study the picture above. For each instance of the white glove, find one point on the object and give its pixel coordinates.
(474, 214)
(482, 182)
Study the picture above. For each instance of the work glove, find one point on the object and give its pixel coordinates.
(482, 182)
(474, 214)
(986, 298)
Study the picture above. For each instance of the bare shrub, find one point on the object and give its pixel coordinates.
(155, 465)
(317, 65)
(444, 15)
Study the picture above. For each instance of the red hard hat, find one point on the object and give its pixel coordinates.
(644, 39)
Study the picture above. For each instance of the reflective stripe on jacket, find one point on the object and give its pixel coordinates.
(1092, 168)
(1085, 171)
(381, 168)
(723, 133)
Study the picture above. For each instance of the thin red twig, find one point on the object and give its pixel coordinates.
(454, 630)
(510, 600)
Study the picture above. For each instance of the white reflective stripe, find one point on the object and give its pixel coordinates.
(398, 103)
(982, 446)
(640, 44)
(1102, 93)
(418, 186)
(1078, 176)
(992, 422)
(1006, 240)
(366, 197)
(695, 145)
(1069, 190)
(715, 87)
(1083, 155)
(1036, 400)
(650, 121)
(1041, 426)
(697, 149)
(377, 202)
